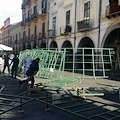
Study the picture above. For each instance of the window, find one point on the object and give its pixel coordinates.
(87, 11)
(29, 34)
(29, 14)
(10, 39)
(19, 36)
(44, 6)
(24, 35)
(35, 32)
(24, 2)
(16, 36)
(54, 25)
(35, 9)
(24, 17)
(13, 37)
(43, 30)
(68, 17)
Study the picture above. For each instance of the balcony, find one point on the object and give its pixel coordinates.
(28, 2)
(65, 30)
(42, 12)
(23, 6)
(51, 33)
(112, 10)
(83, 25)
(23, 23)
(34, 15)
(27, 20)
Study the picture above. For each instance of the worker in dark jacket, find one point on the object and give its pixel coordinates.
(33, 69)
(6, 63)
(26, 64)
(15, 62)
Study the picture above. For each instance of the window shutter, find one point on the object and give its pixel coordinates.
(45, 6)
(118, 2)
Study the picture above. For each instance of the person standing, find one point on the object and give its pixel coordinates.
(33, 69)
(6, 63)
(26, 64)
(15, 62)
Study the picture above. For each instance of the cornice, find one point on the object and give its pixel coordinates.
(69, 5)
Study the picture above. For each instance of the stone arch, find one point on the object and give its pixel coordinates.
(85, 42)
(53, 45)
(23, 47)
(28, 46)
(43, 45)
(69, 54)
(108, 31)
(34, 45)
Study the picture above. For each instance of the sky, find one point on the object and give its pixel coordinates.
(9, 8)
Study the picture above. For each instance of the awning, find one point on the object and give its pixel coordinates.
(5, 48)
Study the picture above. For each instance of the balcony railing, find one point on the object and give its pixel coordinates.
(28, 2)
(23, 5)
(65, 30)
(83, 25)
(51, 33)
(23, 23)
(34, 15)
(112, 10)
(42, 11)
(27, 19)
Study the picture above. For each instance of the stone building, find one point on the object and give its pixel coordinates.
(15, 37)
(5, 30)
(34, 24)
(83, 23)
(2, 35)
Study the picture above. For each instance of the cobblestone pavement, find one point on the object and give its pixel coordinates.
(36, 110)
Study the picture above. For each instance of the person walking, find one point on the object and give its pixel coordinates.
(15, 62)
(32, 70)
(26, 64)
(6, 63)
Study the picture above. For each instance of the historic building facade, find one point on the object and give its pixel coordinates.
(6, 31)
(15, 37)
(84, 23)
(73, 22)
(34, 24)
(2, 35)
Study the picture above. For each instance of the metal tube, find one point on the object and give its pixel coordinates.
(47, 105)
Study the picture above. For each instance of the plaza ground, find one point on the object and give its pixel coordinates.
(35, 110)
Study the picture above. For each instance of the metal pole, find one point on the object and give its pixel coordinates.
(47, 106)
(21, 105)
(75, 23)
(99, 26)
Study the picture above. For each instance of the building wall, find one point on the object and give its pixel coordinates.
(59, 10)
(38, 21)
(98, 38)
(108, 24)
(16, 43)
(2, 35)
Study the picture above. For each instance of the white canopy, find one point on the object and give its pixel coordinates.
(5, 48)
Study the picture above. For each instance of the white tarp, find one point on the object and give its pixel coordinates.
(5, 48)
